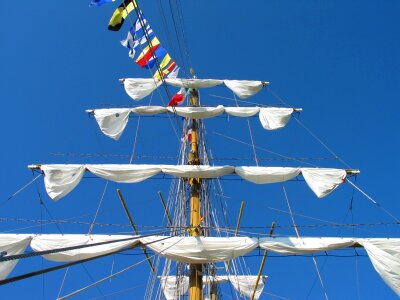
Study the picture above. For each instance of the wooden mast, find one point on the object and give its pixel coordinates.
(196, 270)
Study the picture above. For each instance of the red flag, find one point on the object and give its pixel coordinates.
(178, 98)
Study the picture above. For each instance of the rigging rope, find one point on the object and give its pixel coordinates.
(298, 235)
(373, 201)
(322, 143)
(115, 274)
(20, 190)
(260, 148)
(98, 208)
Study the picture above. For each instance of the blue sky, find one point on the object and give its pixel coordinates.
(338, 60)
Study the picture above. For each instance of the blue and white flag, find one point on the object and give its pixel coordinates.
(99, 2)
(136, 37)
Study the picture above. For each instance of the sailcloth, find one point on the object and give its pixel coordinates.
(173, 287)
(61, 179)
(112, 121)
(385, 257)
(200, 249)
(241, 88)
(384, 253)
(138, 88)
(12, 244)
(245, 285)
(57, 241)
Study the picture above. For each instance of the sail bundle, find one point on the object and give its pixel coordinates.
(61, 179)
(383, 252)
(174, 287)
(138, 88)
(82, 247)
(113, 121)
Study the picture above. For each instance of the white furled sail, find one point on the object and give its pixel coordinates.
(245, 285)
(245, 88)
(112, 121)
(12, 244)
(323, 181)
(304, 245)
(57, 241)
(197, 112)
(194, 171)
(59, 180)
(62, 179)
(385, 257)
(262, 175)
(193, 83)
(384, 253)
(124, 173)
(138, 88)
(242, 111)
(199, 250)
(273, 118)
(173, 287)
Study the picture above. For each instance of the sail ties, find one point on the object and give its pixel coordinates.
(62, 179)
(112, 122)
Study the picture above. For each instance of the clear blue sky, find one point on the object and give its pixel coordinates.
(338, 60)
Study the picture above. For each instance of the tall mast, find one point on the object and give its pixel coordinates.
(196, 272)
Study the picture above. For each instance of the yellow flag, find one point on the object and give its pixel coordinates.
(120, 14)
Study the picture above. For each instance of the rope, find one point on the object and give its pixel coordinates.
(373, 201)
(321, 142)
(177, 158)
(139, 15)
(62, 283)
(298, 235)
(98, 208)
(52, 251)
(134, 141)
(20, 190)
(260, 148)
(47, 270)
(252, 142)
(117, 273)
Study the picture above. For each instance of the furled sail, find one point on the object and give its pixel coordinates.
(383, 252)
(112, 121)
(173, 287)
(200, 250)
(56, 241)
(62, 179)
(14, 244)
(245, 285)
(138, 88)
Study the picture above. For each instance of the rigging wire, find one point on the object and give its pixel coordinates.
(260, 148)
(298, 235)
(62, 283)
(117, 273)
(322, 143)
(20, 190)
(373, 201)
(98, 208)
(222, 158)
(330, 223)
